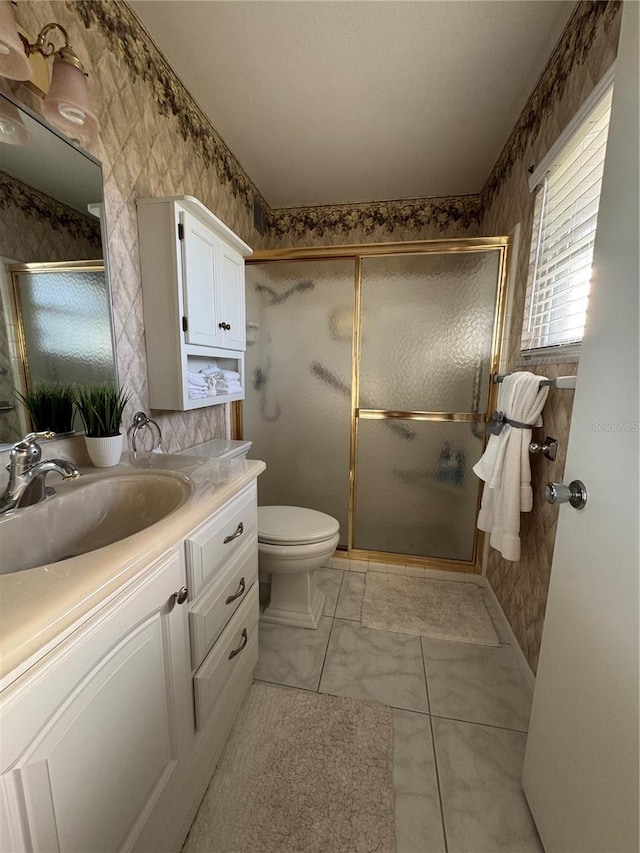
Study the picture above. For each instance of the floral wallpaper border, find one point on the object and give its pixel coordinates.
(366, 217)
(128, 40)
(38, 205)
(573, 47)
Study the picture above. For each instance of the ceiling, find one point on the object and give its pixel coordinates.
(331, 102)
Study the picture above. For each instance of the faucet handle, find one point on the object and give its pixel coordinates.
(27, 453)
(37, 436)
(32, 438)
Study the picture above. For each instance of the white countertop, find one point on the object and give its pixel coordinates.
(40, 607)
(221, 448)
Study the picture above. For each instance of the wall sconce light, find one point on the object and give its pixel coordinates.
(67, 104)
(13, 60)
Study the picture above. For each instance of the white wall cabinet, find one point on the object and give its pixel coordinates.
(101, 748)
(194, 300)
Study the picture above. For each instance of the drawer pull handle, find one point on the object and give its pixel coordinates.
(240, 592)
(239, 532)
(243, 643)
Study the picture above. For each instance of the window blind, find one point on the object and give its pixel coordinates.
(564, 227)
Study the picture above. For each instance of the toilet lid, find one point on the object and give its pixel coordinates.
(294, 525)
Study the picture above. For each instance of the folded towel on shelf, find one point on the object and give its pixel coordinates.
(228, 387)
(195, 390)
(505, 466)
(229, 374)
(221, 381)
(210, 370)
(197, 379)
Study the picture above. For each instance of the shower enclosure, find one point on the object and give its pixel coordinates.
(368, 373)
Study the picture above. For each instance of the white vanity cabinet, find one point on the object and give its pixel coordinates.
(194, 301)
(109, 741)
(94, 735)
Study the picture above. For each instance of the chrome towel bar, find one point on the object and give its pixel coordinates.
(562, 382)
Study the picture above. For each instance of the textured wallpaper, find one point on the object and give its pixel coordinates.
(153, 142)
(35, 228)
(584, 53)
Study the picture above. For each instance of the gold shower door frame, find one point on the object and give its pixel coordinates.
(358, 252)
(14, 271)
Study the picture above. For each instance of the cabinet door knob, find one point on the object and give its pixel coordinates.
(238, 532)
(241, 588)
(181, 595)
(225, 326)
(243, 643)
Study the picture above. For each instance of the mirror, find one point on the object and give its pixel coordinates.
(55, 303)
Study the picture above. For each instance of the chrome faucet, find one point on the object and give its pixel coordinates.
(27, 473)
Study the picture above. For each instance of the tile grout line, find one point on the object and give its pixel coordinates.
(326, 649)
(335, 609)
(484, 725)
(435, 755)
(284, 686)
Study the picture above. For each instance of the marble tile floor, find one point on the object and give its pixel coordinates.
(460, 714)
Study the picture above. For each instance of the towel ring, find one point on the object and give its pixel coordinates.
(142, 421)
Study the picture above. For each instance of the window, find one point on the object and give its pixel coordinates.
(564, 228)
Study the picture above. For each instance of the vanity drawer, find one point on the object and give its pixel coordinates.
(237, 647)
(217, 540)
(219, 602)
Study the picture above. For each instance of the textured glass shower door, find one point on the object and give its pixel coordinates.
(64, 315)
(379, 429)
(425, 344)
(297, 409)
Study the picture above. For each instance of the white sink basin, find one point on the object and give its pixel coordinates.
(88, 514)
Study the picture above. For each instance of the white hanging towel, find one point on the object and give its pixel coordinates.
(504, 465)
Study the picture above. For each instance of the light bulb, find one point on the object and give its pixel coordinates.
(12, 128)
(73, 114)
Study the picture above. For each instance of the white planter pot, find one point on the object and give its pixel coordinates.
(105, 452)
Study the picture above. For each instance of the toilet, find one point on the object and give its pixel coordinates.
(292, 543)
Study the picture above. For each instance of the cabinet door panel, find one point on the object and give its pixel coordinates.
(200, 259)
(103, 763)
(232, 297)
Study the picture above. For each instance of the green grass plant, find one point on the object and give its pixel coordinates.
(50, 406)
(101, 408)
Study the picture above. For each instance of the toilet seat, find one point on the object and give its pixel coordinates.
(294, 525)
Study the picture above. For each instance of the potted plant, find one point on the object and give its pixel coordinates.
(50, 406)
(101, 408)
